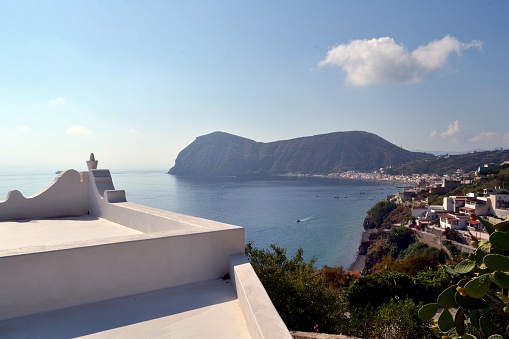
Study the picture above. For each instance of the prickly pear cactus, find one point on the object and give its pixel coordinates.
(482, 281)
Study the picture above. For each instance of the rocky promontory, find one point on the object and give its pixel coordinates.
(223, 154)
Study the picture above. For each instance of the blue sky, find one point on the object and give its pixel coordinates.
(136, 81)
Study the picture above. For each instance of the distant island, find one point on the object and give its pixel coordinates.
(223, 154)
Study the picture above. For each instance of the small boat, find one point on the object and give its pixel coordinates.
(58, 172)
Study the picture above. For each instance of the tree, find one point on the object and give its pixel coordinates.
(297, 290)
(377, 214)
(401, 215)
(395, 319)
(373, 306)
(376, 289)
(399, 239)
(411, 264)
(336, 277)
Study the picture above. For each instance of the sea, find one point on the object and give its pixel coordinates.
(322, 216)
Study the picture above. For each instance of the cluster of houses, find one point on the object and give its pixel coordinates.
(458, 212)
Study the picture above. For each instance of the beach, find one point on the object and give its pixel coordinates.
(358, 264)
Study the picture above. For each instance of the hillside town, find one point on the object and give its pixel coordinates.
(457, 212)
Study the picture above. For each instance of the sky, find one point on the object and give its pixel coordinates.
(135, 82)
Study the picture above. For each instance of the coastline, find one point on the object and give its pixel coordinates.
(358, 264)
(401, 179)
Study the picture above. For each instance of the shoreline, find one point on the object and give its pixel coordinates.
(401, 179)
(358, 264)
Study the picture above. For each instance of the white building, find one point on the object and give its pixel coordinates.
(428, 215)
(498, 202)
(454, 221)
(78, 260)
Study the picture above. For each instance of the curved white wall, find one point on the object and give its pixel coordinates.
(66, 196)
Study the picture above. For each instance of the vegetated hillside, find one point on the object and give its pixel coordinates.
(219, 154)
(449, 163)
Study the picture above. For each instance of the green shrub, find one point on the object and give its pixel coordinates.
(450, 246)
(376, 289)
(399, 240)
(395, 319)
(297, 290)
(401, 215)
(377, 214)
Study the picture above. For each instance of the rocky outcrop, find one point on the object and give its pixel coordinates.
(223, 154)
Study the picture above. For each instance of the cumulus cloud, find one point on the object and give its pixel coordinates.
(487, 139)
(57, 101)
(453, 131)
(486, 136)
(133, 131)
(494, 139)
(78, 130)
(382, 60)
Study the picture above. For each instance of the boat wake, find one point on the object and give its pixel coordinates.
(305, 219)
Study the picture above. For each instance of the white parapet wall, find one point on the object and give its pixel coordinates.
(261, 316)
(73, 274)
(66, 196)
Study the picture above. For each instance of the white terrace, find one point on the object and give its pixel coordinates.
(79, 260)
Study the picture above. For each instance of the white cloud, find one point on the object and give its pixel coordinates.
(133, 131)
(433, 134)
(78, 130)
(22, 128)
(453, 132)
(491, 139)
(384, 61)
(57, 101)
(486, 136)
(484, 139)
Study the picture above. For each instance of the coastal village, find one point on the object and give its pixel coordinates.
(432, 262)
(459, 213)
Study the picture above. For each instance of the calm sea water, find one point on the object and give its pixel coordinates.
(330, 211)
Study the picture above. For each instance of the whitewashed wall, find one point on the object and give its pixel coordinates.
(66, 196)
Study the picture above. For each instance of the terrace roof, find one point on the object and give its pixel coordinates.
(118, 269)
(45, 233)
(191, 311)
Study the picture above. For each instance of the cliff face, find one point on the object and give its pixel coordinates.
(221, 153)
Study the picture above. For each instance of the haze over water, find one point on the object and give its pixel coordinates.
(331, 211)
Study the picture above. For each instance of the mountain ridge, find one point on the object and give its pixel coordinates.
(224, 154)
